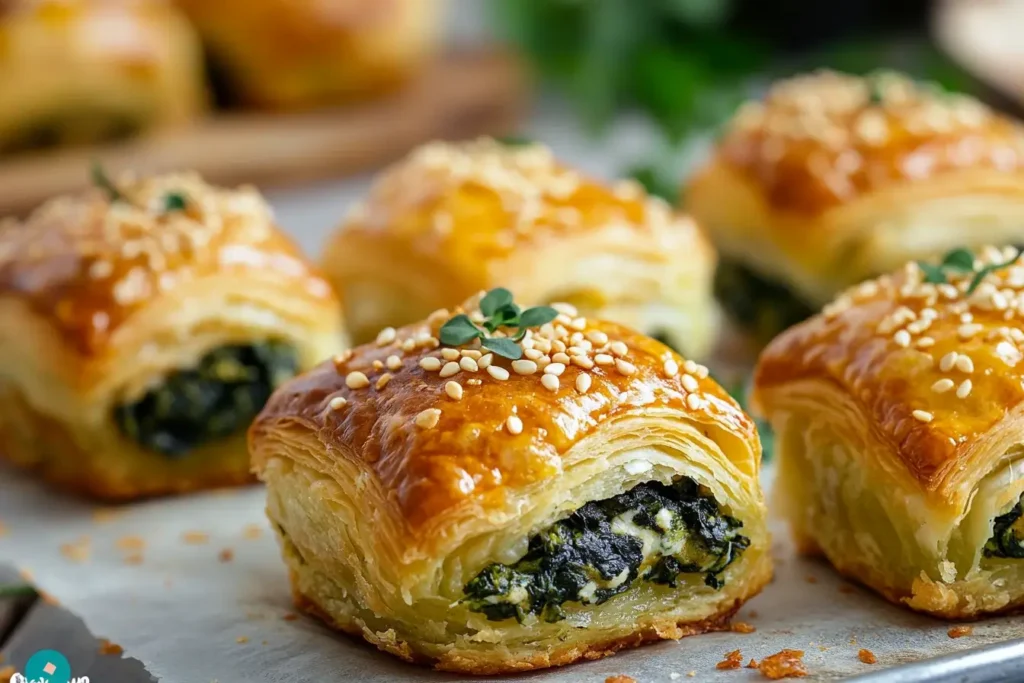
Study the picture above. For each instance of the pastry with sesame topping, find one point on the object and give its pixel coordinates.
(143, 324)
(451, 219)
(524, 515)
(900, 461)
(833, 179)
(76, 72)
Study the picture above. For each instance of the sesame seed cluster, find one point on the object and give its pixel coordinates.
(86, 261)
(568, 347)
(846, 135)
(535, 192)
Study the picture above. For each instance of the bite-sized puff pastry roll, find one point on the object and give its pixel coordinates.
(82, 71)
(899, 432)
(834, 179)
(487, 214)
(143, 325)
(291, 54)
(459, 509)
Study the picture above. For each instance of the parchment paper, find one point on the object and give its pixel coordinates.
(190, 616)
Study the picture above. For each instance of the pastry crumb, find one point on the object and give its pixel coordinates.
(242, 639)
(960, 631)
(110, 648)
(867, 656)
(77, 551)
(692, 674)
(674, 675)
(621, 678)
(743, 627)
(812, 579)
(847, 589)
(133, 558)
(131, 543)
(752, 664)
(226, 555)
(753, 614)
(195, 537)
(733, 660)
(783, 664)
(291, 616)
(252, 531)
(105, 515)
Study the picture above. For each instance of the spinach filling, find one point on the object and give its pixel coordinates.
(653, 531)
(1008, 534)
(764, 307)
(218, 398)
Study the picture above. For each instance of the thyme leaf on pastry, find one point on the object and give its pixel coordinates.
(500, 311)
(981, 274)
(101, 180)
(174, 201)
(962, 261)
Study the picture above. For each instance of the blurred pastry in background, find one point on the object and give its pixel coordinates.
(294, 54)
(833, 179)
(143, 324)
(453, 219)
(84, 71)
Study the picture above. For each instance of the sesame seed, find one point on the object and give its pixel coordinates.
(583, 382)
(671, 368)
(578, 324)
(450, 354)
(902, 338)
(554, 369)
(967, 331)
(924, 342)
(428, 419)
(690, 367)
(948, 361)
(943, 385)
(550, 382)
(603, 359)
(454, 390)
(449, 369)
(377, 365)
(393, 362)
(690, 383)
(356, 380)
(343, 357)
(922, 415)
(965, 364)
(619, 348)
(964, 390)
(431, 363)
(383, 380)
(468, 364)
(514, 425)
(386, 336)
(472, 353)
(474, 382)
(532, 354)
(497, 372)
(561, 358)
(485, 361)
(693, 401)
(524, 367)
(597, 337)
(625, 367)
(337, 403)
(583, 362)
(408, 344)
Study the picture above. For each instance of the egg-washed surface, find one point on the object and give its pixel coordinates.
(764, 307)
(1008, 534)
(653, 532)
(217, 398)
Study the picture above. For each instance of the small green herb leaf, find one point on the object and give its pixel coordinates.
(506, 348)
(981, 274)
(458, 331)
(959, 259)
(101, 180)
(17, 591)
(506, 316)
(515, 140)
(494, 300)
(932, 274)
(174, 201)
(537, 316)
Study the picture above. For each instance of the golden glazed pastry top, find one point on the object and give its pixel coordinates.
(824, 139)
(935, 367)
(466, 206)
(462, 428)
(86, 263)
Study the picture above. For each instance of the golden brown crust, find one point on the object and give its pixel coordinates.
(85, 264)
(468, 453)
(827, 138)
(485, 666)
(934, 367)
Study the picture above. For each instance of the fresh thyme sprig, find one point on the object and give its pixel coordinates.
(17, 591)
(101, 180)
(174, 201)
(499, 311)
(960, 260)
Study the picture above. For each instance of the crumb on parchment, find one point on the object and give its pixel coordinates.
(733, 660)
(77, 551)
(742, 627)
(291, 616)
(783, 664)
(252, 531)
(812, 579)
(226, 555)
(752, 664)
(110, 648)
(621, 678)
(960, 631)
(867, 656)
(195, 537)
(242, 640)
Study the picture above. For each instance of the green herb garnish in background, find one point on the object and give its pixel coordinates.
(499, 311)
(960, 261)
(174, 201)
(17, 591)
(658, 181)
(515, 140)
(101, 180)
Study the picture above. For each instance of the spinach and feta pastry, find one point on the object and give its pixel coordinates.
(498, 489)
(143, 325)
(899, 433)
(833, 179)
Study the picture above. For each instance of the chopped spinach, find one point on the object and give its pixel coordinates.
(215, 399)
(762, 306)
(653, 531)
(1008, 534)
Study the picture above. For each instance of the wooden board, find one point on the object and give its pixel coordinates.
(462, 95)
